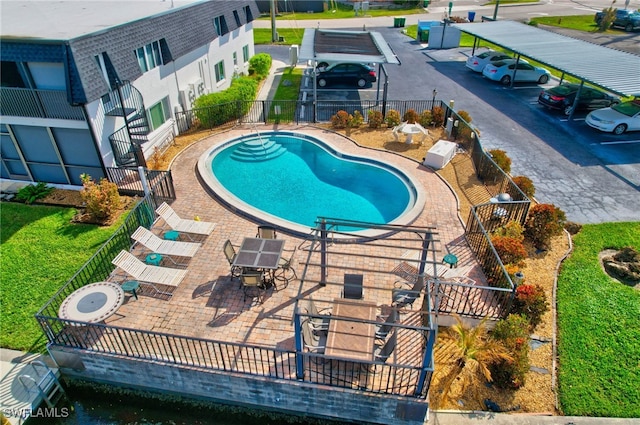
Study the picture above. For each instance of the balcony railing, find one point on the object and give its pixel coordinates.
(53, 104)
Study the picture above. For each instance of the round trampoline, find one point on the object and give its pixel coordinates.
(92, 303)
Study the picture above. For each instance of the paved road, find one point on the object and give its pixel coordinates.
(572, 166)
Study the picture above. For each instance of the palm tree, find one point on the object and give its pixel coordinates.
(470, 350)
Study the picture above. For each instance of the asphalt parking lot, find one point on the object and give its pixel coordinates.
(593, 176)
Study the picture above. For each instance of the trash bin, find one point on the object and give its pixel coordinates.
(425, 3)
(402, 21)
(424, 36)
(398, 22)
(471, 16)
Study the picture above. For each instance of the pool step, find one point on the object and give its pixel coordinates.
(258, 150)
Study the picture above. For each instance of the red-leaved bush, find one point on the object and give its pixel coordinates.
(543, 222)
(530, 302)
(510, 250)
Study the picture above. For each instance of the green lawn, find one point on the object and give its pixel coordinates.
(598, 328)
(575, 22)
(291, 35)
(40, 251)
(287, 92)
(344, 12)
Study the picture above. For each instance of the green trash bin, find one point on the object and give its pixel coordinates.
(396, 22)
(424, 36)
(425, 3)
(402, 21)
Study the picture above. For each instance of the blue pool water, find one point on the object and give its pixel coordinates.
(297, 179)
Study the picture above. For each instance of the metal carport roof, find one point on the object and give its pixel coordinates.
(613, 70)
(347, 46)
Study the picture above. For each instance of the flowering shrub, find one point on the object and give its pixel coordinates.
(356, 120)
(375, 119)
(410, 116)
(393, 118)
(526, 185)
(501, 159)
(513, 333)
(438, 116)
(341, 119)
(530, 302)
(102, 200)
(425, 119)
(510, 250)
(543, 222)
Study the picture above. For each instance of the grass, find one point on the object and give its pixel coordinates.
(510, 2)
(576, 22)
(285, 93)
(40, 250)
(344, 12)
(291, 36)
(599, 328)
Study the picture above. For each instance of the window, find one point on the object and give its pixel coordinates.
(248, 14)
(219, 71)
(149, 56)
(221, 25)
(237, 18)
(101, 60)
(245, 53)
(159, 113)
(235, 59)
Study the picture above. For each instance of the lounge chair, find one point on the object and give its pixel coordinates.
(151, 275)
(182, 224)
(164, 247)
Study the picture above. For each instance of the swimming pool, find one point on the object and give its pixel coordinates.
(290, 179)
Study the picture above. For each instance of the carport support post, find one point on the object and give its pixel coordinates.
(575, 101)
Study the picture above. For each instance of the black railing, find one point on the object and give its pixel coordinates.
(127, 102)
(129, 183)
(38, 104)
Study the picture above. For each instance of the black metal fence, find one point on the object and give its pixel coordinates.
(130, 183)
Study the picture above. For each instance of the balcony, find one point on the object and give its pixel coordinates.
(52, 104)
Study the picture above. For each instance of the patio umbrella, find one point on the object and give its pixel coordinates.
(410, 129)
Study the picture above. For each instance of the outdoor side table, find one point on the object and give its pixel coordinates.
(153, 259)
(172, 235)
(131, 286)
(451, 260)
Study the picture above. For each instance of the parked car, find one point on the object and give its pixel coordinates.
(478, 62)
(563, 96)
(616, 119)
(346, 73)
(625, 18)
(503, 71)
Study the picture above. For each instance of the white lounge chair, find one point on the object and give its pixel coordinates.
(185, 225)
(170, 248)
(151, 275)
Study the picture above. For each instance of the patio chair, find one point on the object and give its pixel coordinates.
(230, 253)
(150, 275)
(252, 280)
(170, 248)
(284, 270)
(311, 341)
(184, 225)
(318, 324)
(401, 297)
(383, 329)
(382, 353)
(266, 232)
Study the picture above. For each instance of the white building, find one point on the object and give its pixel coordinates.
(88, 85)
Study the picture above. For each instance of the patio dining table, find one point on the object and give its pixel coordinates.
(347, 339)
(259, 253)
(92, 303)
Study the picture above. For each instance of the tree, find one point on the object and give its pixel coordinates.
(471, 351)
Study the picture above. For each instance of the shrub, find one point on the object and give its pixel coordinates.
(510, 250)
(393, 118)
(501, 159)
(438, 116)
(102, 200)
(31, 193)
(608, 16)
(513, 333)
(513, 229)
(221, 107)
(531, 303)
(464, 130)
(410, 116)
(341, 119)
(260, 64)
(525, 185)
(425, 119)
(356, 120)
(375, 119)
(543, 222)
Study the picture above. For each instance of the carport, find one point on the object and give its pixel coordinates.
(319, 45)
(613, 70)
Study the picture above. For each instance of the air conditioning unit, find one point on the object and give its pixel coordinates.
(200, 87)
(188, 97)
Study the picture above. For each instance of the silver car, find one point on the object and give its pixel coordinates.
(478, 62)
(504, 71)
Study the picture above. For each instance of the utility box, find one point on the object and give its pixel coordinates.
(444, 37)
(293, 54)
(440, 154)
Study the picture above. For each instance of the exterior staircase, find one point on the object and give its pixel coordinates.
(127, 102)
